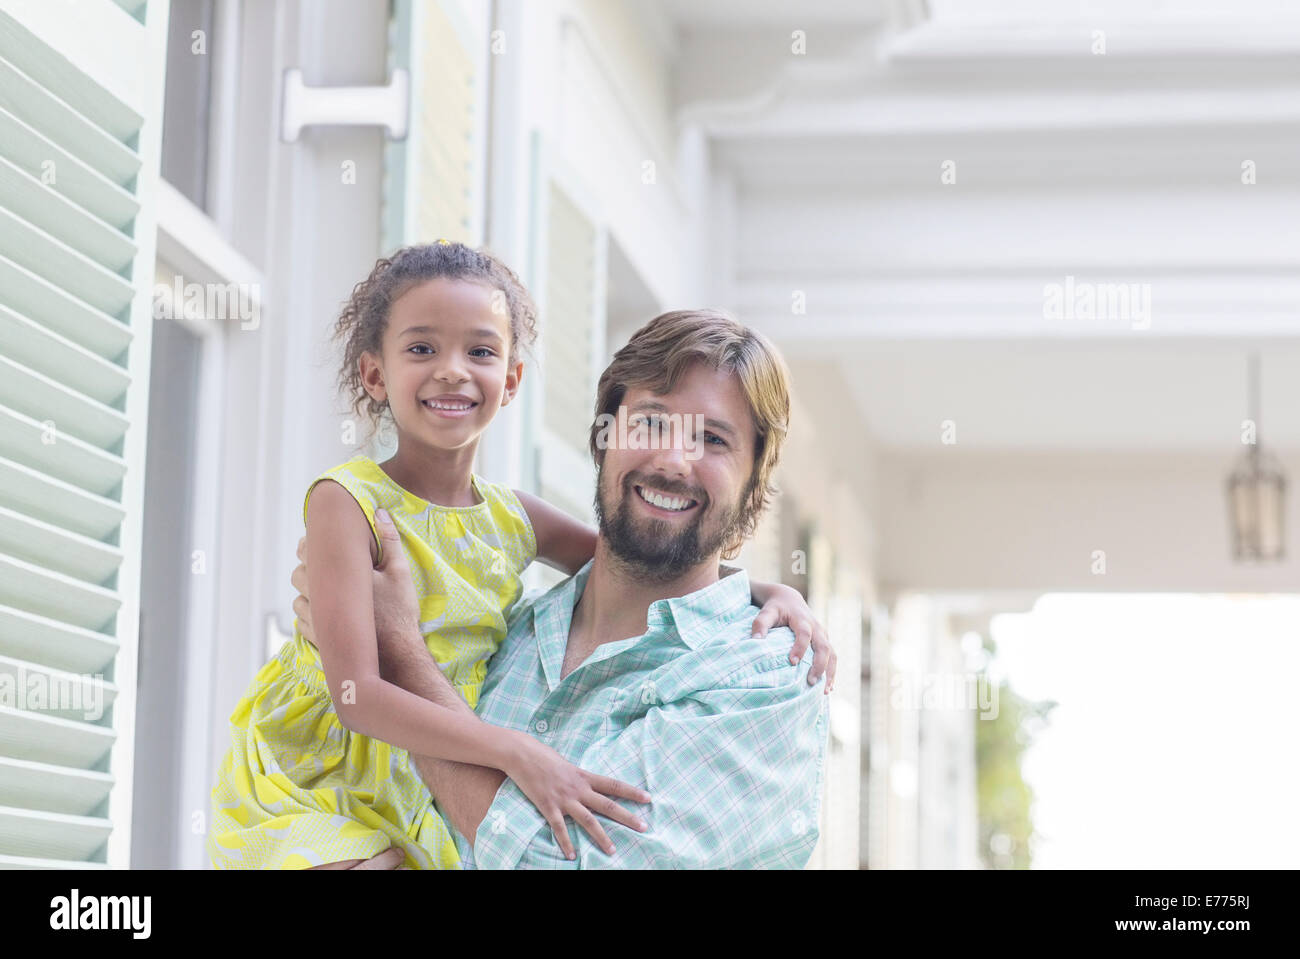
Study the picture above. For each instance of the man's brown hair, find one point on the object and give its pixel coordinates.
(657, 355)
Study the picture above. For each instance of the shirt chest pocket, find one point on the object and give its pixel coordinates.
(634, 701)
(672, 684)
(763, 673)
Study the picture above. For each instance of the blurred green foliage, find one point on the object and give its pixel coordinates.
(1004, 798)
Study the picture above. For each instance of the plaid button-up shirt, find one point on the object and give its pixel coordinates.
(722, 731)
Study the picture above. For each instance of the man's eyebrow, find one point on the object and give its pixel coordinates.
(658, 407)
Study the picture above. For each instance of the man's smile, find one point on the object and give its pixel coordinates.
(664, 502)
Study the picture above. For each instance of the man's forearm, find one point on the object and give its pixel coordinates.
(464, 791)
(415, 670)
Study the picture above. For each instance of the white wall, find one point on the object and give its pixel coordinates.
(606, 90)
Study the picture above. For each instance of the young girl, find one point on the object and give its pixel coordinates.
(318, 770)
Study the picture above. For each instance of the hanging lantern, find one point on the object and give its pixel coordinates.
(1257, 495)
(1256, 492)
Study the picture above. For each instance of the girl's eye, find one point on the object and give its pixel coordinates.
(419, 349)
(485, 351)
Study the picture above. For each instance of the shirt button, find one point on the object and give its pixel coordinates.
(541, 726)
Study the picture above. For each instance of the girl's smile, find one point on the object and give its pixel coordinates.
(450, 405)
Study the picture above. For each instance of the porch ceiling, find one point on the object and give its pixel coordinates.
(929, 298)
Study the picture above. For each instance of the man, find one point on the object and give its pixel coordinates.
(641, 666)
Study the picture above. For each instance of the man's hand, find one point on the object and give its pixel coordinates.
(301, 605)
(390, 858)
(397, 609)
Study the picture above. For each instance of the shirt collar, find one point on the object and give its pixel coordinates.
(693, 617)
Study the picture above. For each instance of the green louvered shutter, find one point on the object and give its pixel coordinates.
(433, 182)
(80, 111)
(569, 281)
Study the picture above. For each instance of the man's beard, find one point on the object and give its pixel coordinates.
(659, 551)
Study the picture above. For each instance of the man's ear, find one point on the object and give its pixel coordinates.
(513, 376)
(372, 376)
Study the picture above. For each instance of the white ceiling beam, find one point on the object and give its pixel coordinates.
(882, 114)
(1179, 35)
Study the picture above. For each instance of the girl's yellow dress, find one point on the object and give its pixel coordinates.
(297, 788)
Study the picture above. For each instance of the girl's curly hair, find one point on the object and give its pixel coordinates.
(364, 319)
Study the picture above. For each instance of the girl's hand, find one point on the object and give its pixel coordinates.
(784, 606)
(558, 788)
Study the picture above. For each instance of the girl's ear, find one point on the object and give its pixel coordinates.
(513, 375)
(372, 376)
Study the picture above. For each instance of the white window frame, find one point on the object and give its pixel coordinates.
(193, 245)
